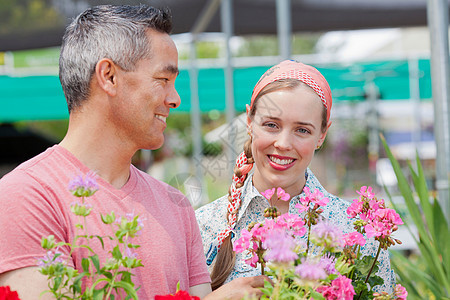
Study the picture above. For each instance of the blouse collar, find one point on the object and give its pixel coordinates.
(250, 193)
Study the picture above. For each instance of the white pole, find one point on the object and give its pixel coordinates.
(196, 126)
(414, 95)
(227, 28)
(437, 11)
(284, 28)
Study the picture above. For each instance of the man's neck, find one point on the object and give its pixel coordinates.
(98, 149)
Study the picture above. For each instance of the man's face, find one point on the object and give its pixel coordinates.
(145, 95)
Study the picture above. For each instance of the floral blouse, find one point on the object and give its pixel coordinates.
(212, 220)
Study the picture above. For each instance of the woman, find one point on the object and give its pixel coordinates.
(288, 119)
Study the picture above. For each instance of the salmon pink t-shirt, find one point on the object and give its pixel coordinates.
(35, 202)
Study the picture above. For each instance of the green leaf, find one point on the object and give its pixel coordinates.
(107, 274)
(365, 264)
(108, 219)
(101, 240)
(126, 277)
(316, 295)
(359, 287)
(410, 275)
(375, 280)
(85, 264)
(95, 262)
(57, 282)
(129, 289)
(116, 253)
(98, 294)
(432, 228)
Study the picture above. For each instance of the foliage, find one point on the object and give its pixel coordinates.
(427, 217)
(330, 265)
(114, 277)
(267, 45)
(27, 15)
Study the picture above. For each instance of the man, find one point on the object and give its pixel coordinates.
(118, 67)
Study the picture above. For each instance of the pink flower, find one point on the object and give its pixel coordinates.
(341, 289)
(281, 194)
(301, 207)
(327, 235)
(354, 238)
(253, 260)
(390, 216)
(279, 246)
(315, 197)
(243, 242)
(366, 192)
(293, 223)
(355, 208)
(374, 228)
(268, 193)
(400, 292)
(84, 187)
(308, 270)
(327, 262)
(50, 258)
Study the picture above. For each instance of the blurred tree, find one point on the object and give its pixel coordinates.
(207, 49)
(27, 15)
(267, 45)
(258, 45)
(53, 129)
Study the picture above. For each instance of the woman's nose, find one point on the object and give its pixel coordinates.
(283, 140)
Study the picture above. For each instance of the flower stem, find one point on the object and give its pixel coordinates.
(309, 233)
(373, 265)
(371, 268)
(111, 285)
(261, 259)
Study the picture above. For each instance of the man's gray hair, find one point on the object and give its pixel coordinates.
(107, 31)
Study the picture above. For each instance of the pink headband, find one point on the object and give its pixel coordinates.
(290, 69)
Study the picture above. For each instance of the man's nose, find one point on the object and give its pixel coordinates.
(173, 100)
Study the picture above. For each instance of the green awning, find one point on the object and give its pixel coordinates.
(41, 97)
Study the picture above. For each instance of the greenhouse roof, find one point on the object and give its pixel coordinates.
(41, 97)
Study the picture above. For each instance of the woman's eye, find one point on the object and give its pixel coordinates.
(270, 125)
(303, 130)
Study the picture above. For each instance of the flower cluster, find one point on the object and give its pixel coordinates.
(275, 235)
(329, 265)
(273, 199)
(114, 277)
(374, 218)
(180, 295)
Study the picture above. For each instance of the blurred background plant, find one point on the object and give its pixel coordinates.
(425, 274)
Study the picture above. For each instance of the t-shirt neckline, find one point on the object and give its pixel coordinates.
(126, 189)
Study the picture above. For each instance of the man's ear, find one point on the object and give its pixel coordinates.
(105, 73)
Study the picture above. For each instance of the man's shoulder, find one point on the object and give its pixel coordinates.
(29, 170)
(156, 188)
(145, 178)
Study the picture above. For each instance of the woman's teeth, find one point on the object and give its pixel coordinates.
(280, 161)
